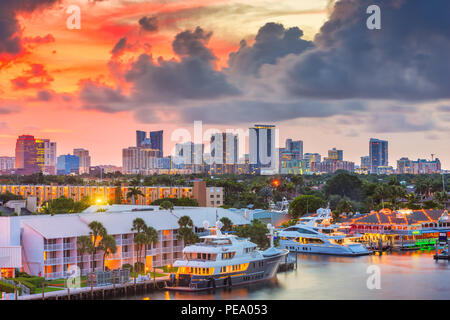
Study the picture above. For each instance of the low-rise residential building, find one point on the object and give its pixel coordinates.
(102, 193)
(49, 243)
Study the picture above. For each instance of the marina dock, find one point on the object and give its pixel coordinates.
(101, 292)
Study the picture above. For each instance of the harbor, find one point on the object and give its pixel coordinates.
(404, 275)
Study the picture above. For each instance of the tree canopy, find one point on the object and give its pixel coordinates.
(305, 204)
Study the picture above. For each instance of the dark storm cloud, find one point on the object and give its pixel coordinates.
(7, 109)
(242, 111)
(193, 77)
(149, 23)
(192, 44)
(272, 42)
(405, 60)
(399, 123)
(10, 31)
(103, 98)
(119, 47)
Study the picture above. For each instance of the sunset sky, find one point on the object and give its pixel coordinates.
(309, 66)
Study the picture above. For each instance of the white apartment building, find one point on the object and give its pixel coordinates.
(49, 243)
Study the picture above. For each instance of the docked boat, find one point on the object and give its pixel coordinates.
(223, 260)
(318, 235)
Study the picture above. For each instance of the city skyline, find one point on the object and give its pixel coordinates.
(261, 154)
(96, 100)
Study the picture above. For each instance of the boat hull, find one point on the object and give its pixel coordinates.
(257, 270)
(349, 251)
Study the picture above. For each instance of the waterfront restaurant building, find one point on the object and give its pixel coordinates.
(49, 243)
(404, 228)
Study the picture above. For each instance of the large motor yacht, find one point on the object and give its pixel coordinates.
(223, 260)
(318, 235)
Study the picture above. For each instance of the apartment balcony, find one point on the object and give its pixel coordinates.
(53, 275)
(166, 249)
(52, 247)
(69, 260)
(84, 258)
(53, 261)
(127, 241)
(178, 249)
(69, 246)
(163, 263)
(153, 252)
(118, 242)
(126, 255)
(167, 237)
(115, 256)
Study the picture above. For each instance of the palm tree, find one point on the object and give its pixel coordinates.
(185, 221)
(151, 236)
(396, 192)
(133, 193)
(97, 231)
(382, 192)
(108, 245)
(441, 198)
(227, 224)
(140, 239)
(166, 205)
(185, 231)
(84, 245)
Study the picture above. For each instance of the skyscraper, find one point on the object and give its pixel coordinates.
(263, 156)
(335, 154)
(378, 153)
(156, 139)
(295, 147)
(139, 160)
(85, 159)
(26, 155)
(46, 156)
(365, 162)
(190, 156)
(68, 164)
(142, 141)
(224, 152)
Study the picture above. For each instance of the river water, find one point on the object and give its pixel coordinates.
(406, 275)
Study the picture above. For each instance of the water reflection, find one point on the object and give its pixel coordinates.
(407, 275)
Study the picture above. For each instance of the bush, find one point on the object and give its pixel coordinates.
(33, 280)
(128, 266)
(8, 288)
(26, 283)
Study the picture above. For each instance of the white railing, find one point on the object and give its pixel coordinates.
(166, 249)
(118, 242)
(52, 247)
(127, 254)
(166, 262)
(153, 252)
(69, 260)
(127, 241)
(84, 258)
(178, 248)
(69, 246)
(52, 261)
(53, 275)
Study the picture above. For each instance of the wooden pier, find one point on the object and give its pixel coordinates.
(289, 263)
(101, 292)
(441, 257)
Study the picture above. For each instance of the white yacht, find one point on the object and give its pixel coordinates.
(318, 235)
(223, 261)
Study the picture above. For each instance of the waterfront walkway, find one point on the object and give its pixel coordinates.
(100, 292)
